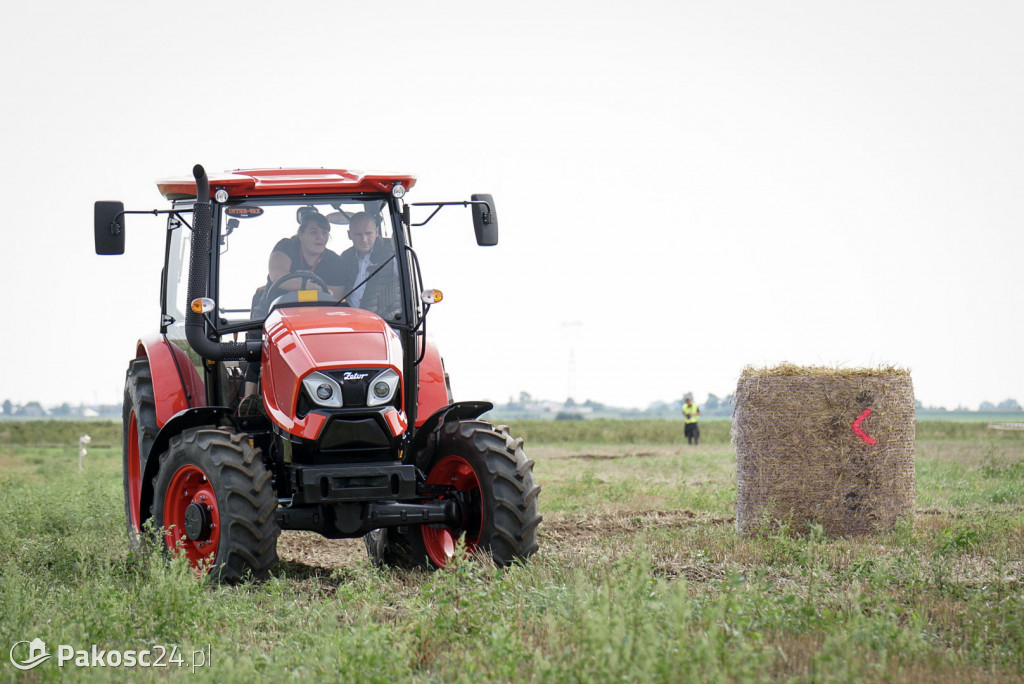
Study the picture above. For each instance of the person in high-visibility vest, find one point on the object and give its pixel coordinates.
(691, 412)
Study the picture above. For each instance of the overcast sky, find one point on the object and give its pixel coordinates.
(684, 188)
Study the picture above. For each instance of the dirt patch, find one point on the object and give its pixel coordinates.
(981, 571)
(579, 529)
(308, 552)
(934, 518)
(605, 457)
(324, 563)
(599, 452)
(583, 535)
(311, 550)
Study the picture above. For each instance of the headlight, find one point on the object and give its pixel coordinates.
(382, 388)
(323, 390)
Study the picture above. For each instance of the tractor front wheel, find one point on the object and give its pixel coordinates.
(215, 504)
(488, 473)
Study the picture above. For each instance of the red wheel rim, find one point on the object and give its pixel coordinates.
(189, 485)
(134, 473)
(453, 471)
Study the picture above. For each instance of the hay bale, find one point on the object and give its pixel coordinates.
(827, 446)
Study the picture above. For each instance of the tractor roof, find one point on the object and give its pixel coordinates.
(263, 182)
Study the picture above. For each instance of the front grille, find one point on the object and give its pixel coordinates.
(355, 383)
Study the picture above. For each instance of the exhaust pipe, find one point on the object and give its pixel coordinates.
(198, 275)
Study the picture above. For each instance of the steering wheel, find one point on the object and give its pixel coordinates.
(306, 276)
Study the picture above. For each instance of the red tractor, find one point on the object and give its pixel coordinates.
(311, 400)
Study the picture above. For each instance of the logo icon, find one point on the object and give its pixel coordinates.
(36, 654)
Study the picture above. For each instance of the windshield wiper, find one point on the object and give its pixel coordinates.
(367, 278)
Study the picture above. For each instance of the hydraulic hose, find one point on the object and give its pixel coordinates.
(198, 277)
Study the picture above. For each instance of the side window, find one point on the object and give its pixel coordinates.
(176, 276)
(417, 282)
(175, 290)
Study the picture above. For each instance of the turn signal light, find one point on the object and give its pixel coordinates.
(202, 305)
(431, 296)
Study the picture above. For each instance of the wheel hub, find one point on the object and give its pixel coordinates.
(455, 473)
(198, 521)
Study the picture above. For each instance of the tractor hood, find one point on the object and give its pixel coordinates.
(300, 340)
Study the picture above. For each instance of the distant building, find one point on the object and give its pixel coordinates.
(33, 409)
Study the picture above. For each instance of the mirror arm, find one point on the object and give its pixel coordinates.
(437, 208)
(115, 229)
(439, 205)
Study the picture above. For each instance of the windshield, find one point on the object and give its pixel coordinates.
(343, 247)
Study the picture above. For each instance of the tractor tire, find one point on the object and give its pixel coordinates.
(502, 515)
(215, 504)
(137, 435)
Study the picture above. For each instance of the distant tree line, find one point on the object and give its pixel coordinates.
(712, 407)
(1005, 406)
(523, 406)
(527, 406)
(34, 409)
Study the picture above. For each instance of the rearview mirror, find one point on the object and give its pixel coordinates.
(485, 220)
(109, 227)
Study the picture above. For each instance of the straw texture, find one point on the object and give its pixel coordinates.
(828, 446)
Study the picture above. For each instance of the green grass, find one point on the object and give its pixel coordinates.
(611, 431)
(59, 433)
(716, 431)
(641, 577)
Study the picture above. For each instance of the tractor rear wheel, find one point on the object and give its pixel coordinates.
(488, 471)
(137, 435)
(215, 504)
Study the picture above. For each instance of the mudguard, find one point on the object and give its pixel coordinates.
(434, 394)
(420, 450)
(196, 417)
(176, 384)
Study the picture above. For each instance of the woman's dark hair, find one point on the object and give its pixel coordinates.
(318, 219)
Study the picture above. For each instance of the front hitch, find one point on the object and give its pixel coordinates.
(396, 514)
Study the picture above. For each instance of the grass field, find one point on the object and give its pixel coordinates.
(641, 577)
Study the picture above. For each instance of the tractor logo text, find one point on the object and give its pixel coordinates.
(244, 212)
(354, 377)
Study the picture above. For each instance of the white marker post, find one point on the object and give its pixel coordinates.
(82, 441)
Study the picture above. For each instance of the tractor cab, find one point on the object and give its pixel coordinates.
(291, 384)
(284, 257)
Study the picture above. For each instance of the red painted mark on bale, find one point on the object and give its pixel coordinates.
(860, 433)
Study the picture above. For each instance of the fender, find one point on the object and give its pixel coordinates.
(196, 417)
(176, 384)
(434, 393)
(420, 450)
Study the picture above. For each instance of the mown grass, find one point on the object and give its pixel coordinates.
(641, 577)
(716, 431)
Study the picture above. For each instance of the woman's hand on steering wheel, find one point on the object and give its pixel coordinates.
(304, 276)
